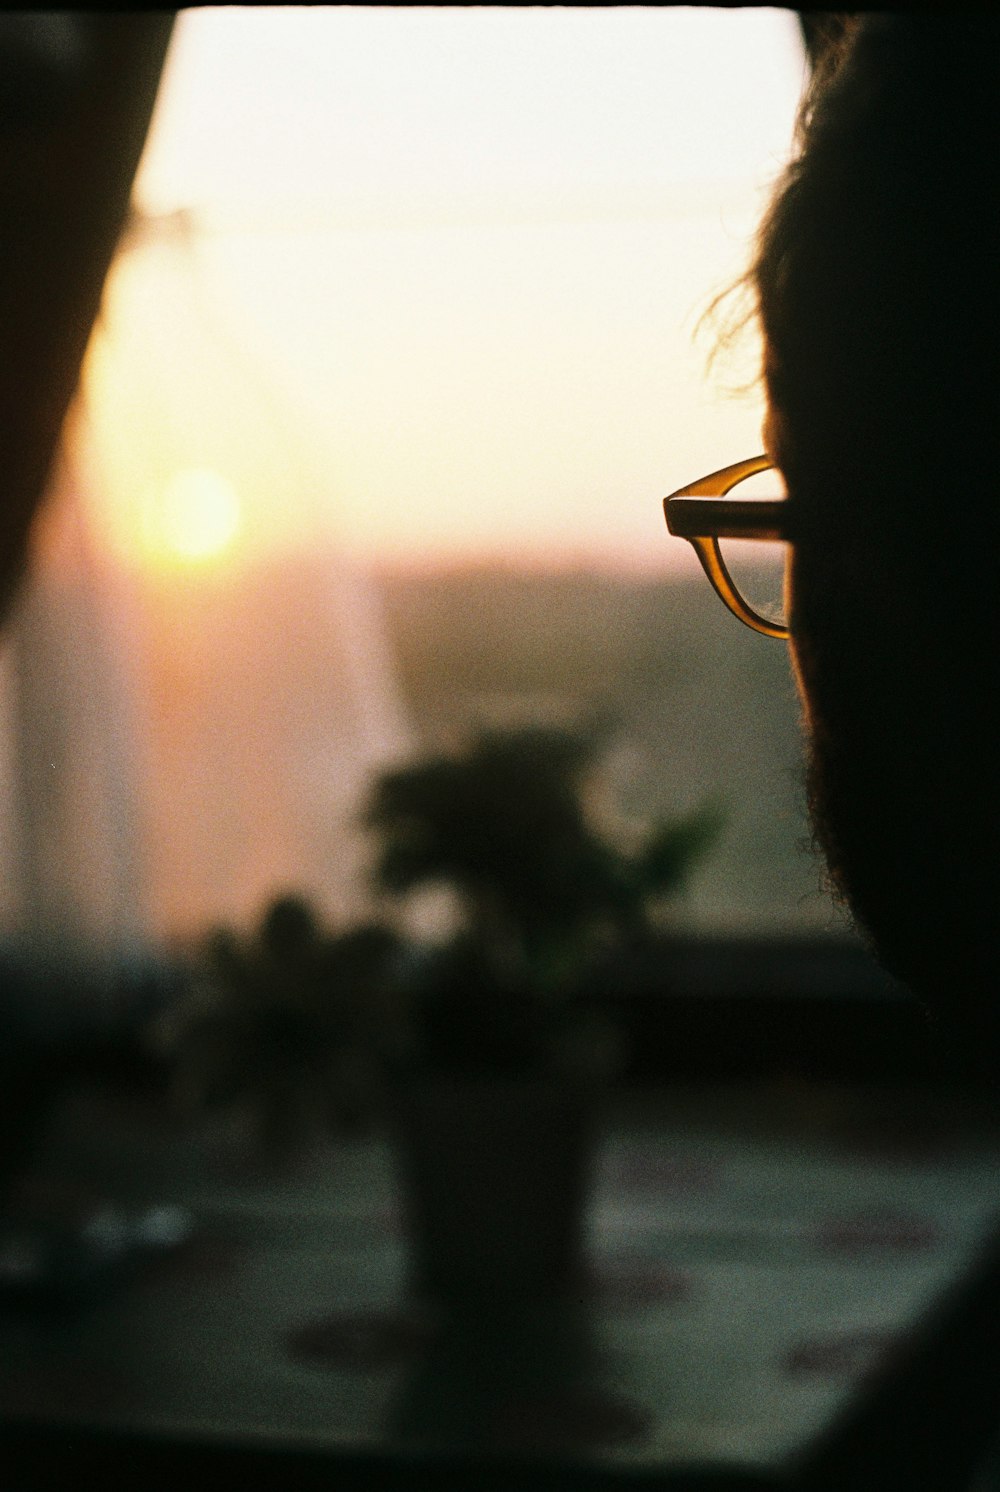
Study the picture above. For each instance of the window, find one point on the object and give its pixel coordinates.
(394, 367)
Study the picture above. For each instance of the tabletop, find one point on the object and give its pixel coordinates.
(756, 1260)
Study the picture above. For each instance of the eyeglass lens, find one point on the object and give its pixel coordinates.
(757, 566)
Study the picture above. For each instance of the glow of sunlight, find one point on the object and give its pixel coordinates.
(378, 110)
(465, 249)
(193, 519)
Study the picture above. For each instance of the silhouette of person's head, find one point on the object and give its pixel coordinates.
(877, 277)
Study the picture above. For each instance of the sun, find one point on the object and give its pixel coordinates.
(194, 519)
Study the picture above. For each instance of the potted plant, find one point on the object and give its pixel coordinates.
(509, 1048)
(486, 1050)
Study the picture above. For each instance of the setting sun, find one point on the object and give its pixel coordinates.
(194, 519)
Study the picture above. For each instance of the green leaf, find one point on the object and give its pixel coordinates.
(674, 849)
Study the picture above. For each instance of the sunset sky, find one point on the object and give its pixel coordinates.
(435, 296)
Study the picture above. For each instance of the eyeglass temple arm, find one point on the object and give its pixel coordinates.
(726, 518)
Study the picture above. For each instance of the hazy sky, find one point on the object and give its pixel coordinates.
(443, 270)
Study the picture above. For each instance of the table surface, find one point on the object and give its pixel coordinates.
(752, 1256)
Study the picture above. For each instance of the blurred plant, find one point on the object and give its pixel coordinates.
(290, 1024)
(307, 1029)
(545, 893)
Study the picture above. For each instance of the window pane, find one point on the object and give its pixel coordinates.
(392, 376)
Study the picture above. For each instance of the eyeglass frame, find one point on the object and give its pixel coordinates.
(703, 514)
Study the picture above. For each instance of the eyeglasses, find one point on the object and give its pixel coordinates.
(740, 540)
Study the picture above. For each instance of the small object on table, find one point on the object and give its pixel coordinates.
(66, 1265)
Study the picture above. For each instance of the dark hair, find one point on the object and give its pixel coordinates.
(876, 265)
(877, 281)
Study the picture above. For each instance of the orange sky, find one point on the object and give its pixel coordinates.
(438, 289)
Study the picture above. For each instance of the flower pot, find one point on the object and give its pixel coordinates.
(494, 1179)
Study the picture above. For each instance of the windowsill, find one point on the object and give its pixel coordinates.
(737, 1009)
(695, 1010)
